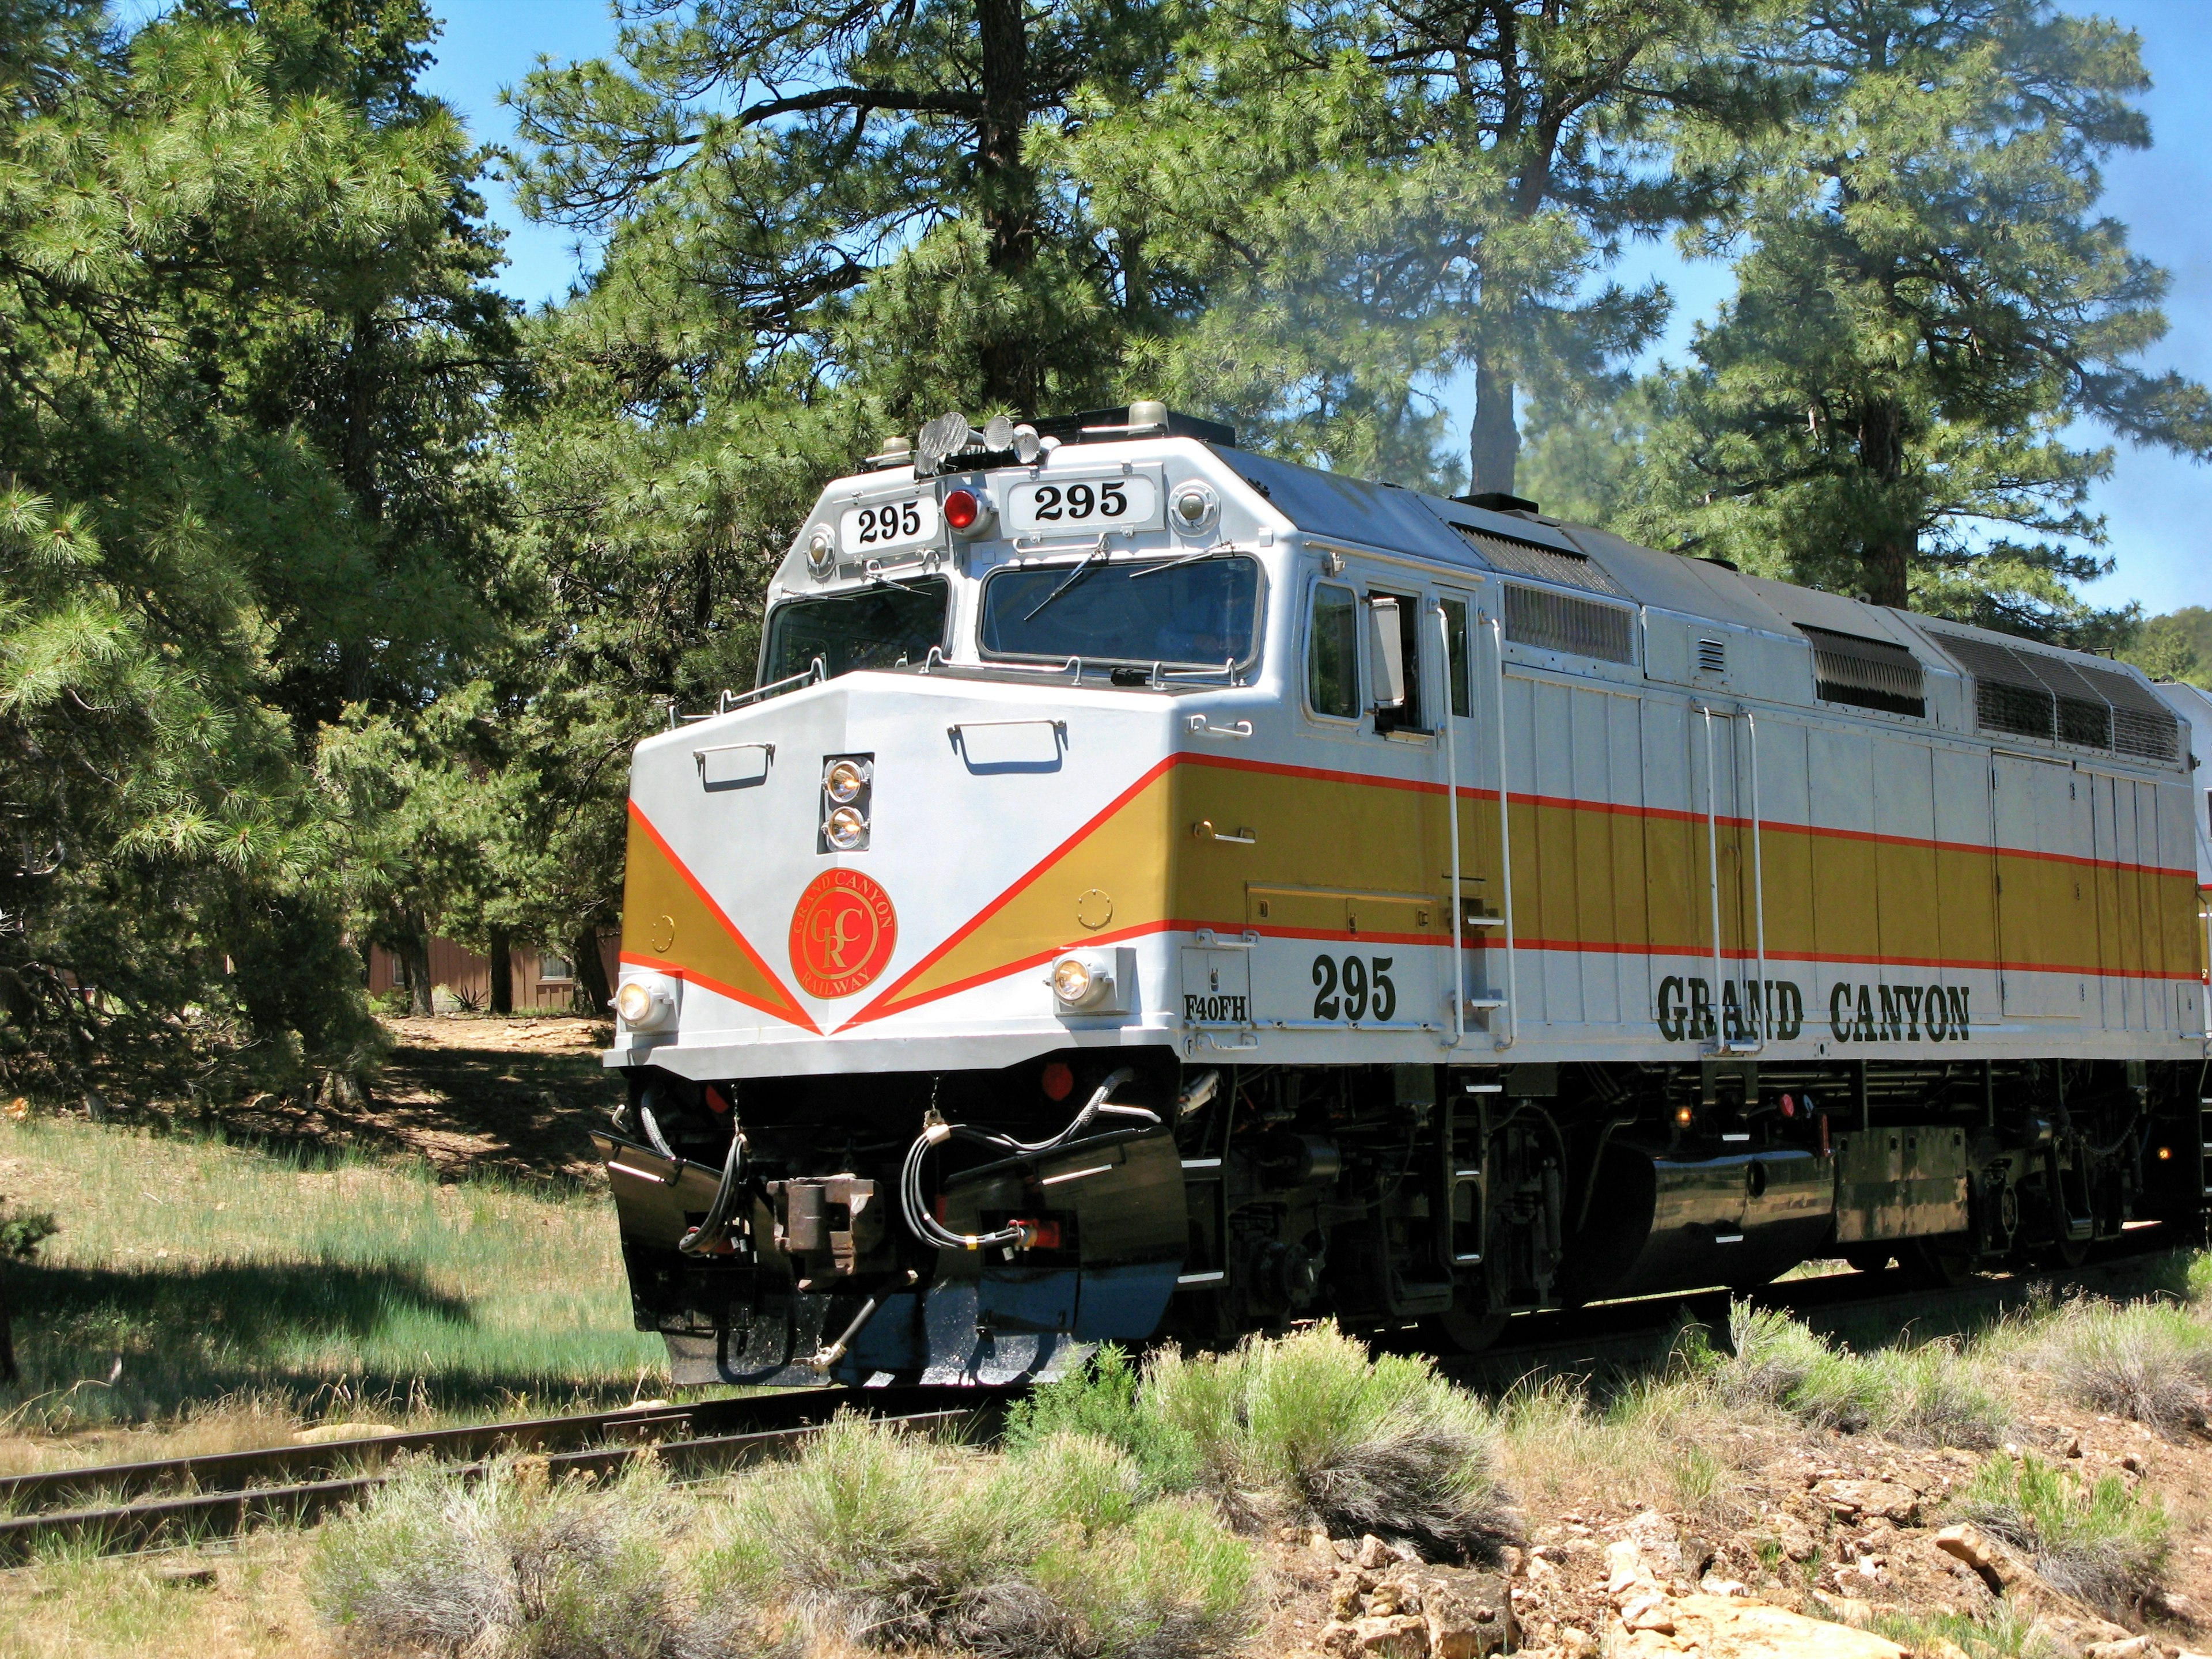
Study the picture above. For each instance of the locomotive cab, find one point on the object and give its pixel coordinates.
(1153, 888)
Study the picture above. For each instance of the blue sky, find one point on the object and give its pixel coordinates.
(2158, 508)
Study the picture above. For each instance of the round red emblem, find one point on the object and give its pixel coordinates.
(841, 934)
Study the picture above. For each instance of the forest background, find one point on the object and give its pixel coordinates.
(334, 587)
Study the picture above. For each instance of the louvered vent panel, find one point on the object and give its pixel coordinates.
(1712, 656)
(1560, 622)
(1849, 668)
(2038, 693)
(1545, 564)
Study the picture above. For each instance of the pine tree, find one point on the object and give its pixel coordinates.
(1927, 302)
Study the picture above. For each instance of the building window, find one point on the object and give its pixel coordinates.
(550, 966)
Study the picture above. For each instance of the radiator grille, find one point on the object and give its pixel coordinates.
(2040, 694)
(1560, 622)
(1866, 673)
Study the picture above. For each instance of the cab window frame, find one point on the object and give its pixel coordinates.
(1243, 670)
(943, 644)
(1311, 640)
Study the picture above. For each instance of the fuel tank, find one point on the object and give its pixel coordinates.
(1658, 1222)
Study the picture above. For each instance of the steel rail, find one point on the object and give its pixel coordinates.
(193, 1517)
(235, 1474)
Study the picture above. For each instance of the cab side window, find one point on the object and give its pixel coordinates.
(1456, 631)
(1332, 652)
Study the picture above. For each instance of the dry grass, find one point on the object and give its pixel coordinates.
(74, 1605)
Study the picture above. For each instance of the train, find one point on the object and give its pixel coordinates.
(1154, 891)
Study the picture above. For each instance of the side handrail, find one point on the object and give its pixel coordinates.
(1504, 846)
(1757, 885)
(1713, 875)
(1451, 804)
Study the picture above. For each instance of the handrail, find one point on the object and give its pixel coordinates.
(1451, 800)
(1504, 846)
(1713, 876)
(817, 670)
(1758, 883)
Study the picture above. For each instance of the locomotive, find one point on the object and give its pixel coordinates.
(1154, 890)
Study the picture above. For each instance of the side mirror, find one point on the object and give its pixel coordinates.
(1386, 650)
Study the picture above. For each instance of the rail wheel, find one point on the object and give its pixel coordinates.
(1462, 1330)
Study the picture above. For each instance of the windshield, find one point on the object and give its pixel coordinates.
(1199, 612)
(872, 627)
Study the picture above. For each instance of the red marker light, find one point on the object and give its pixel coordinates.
(1058, 1080)
(961, 509)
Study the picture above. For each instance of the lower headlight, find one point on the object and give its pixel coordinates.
(1073, 981)
(846, 829)
(1094, 981)
(646, 1004)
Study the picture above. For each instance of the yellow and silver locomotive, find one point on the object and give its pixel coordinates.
(1154, 890)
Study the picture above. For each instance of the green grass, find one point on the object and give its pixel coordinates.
(1934, 1393)
(2093, 1539)
(323, 1286)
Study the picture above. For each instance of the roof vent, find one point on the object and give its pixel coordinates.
(1550, 564)
(1850, 668)
(1712, 656)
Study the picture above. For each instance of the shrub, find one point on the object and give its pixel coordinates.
(509, 1568)
(1308, 1427)
(1927, 1395)
(2150, 1362)
(2097, 1540)
(888, 1540)
(22, 1232)
(1101, 1401)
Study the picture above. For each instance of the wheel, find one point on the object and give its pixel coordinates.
(1460, 1331)
(1940, 1263)
(1869, 1258)
(2066, 1254)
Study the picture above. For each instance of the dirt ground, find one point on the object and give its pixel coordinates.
(472, 1093)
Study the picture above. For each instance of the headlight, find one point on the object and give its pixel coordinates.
(845, 781)
(646, 1003)
(846, 829)
(1072, 982)
(822, 553)
(1194, 507)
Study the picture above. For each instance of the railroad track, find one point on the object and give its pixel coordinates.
(144, 1505)
(129, 1507)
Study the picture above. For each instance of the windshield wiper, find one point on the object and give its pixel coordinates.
(1073, 577)
(1177, 564)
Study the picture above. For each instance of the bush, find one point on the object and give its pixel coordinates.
(2097, 1540)
(22, 1232)
(1309, 1428)
(2151, 1363)
(1101, 1401)
(1927, 1396)
(509, 1568)
(884, 1540)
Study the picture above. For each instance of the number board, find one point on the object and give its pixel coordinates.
(882, 526)
(1076, 507)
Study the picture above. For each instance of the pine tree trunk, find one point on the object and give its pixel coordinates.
(1885, 560)
(415, 964)
(502, 971)
(1494, 442)
(1003, 185)
(1887, 566)
(593, 992)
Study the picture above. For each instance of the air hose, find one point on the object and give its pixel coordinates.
(711, 1231)
(916, 1206)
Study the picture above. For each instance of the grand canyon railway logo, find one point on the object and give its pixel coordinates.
(841, 934)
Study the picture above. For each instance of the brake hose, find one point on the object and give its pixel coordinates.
(710, 1232)
(916, 1206)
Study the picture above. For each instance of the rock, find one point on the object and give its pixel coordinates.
(2131, 1647)
(1794, 1536)
(2131, 1462)
(1624, 1568)
(1394, 1596)
(324, 1433)
(1966, 1543)
(1321, 1546)
(1541, 1571)
(200, 1575)
(1854, 1610)
(1512, 1559)
(1459, 1628)
(1576, 1643)
(1710, 1585)
(2072, 1447)
(1733, 1628)
(1338, 1638)
(1373, 1553)
(1941, 1647)
(1344, 1600)
(1648, 1610)
(1394, 1636)
(1661, 1543)
(2173, 1603)
(1886, 1499)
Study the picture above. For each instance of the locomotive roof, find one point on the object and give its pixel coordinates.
(1384, 515)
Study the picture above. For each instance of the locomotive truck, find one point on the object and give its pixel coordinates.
(1155, 891)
